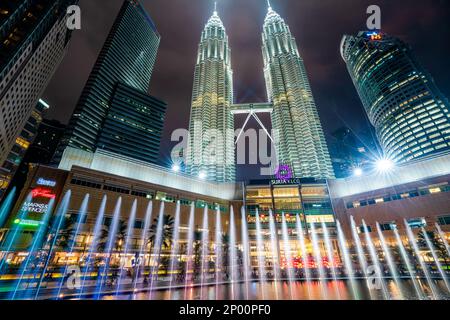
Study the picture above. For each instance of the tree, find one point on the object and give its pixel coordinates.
(67, 231)
(120, 239)
(198, 235)
(436, 243)
(167, 231)
(225, 251)
(166, 237)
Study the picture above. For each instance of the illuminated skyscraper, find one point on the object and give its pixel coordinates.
(126, 60)
(410, 115)
(33, 40)
(302, 143)
(211, 147)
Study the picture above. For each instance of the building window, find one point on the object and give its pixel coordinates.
(444, 220)
(417, 223)
(363, 230)
(388, 226)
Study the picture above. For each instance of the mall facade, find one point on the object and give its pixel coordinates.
(416, 194)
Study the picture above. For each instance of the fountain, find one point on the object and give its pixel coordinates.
(390, 260)
(273, 262)
(6, 206)
(72, 242)
(157, 243)
(11, 237)
(140, 258)
(204, 254)
(360, 253)
(128, 238)
(232, 260)
(319, 262)
(219, 244)
(245, 253)
(435, 258)
(301, 240)
(275, 254)
(413, 243)
(175, 247)
(375, 261)
(347, 261)
(287, 254)
(330, 257)
(408, 264)
(33, 250)
(261, 254)
(53, 236)
(94, 244)
(189, 250)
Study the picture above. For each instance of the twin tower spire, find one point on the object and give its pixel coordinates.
(295, 120)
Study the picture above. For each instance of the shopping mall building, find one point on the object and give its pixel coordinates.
(418, 193)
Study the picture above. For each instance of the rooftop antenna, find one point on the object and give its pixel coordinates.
(268, 3)
(215, 6)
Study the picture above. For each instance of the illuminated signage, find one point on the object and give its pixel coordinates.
(327, 218)
(28, 223)
(43, 193)
(289, 181)
(33, 207)
(46, 183)
(284, 172)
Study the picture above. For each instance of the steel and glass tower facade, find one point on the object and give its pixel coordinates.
(210, 152)
(127, 57)
(302, 143)
(410, 115)
(33, 41)
(134, 125)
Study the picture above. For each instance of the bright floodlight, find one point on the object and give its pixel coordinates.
(175, 168)
(202, 175)
(358, 172)
(384, 165)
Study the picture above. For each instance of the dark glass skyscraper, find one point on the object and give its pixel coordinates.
(128, 57)
(410, 115)
(134, 124)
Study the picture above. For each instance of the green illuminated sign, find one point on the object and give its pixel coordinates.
(28, 223)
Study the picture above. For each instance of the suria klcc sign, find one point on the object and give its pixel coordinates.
(284, 175)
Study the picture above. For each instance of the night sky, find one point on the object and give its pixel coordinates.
(317, 25)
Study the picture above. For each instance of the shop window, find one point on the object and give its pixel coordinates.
(417, 223)
(444, 220)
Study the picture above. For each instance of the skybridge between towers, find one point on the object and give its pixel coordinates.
(252, 110)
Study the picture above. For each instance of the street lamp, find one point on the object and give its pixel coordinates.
(358, 172)
(384, 165)
(202, 175)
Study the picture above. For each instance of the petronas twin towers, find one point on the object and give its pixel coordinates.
(301, 144)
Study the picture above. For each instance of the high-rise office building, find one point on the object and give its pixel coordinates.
(128, 57)
(21, 146)
(33, 40)
(133, 125)
(211, 147)
(410, 115)
(302, 144)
